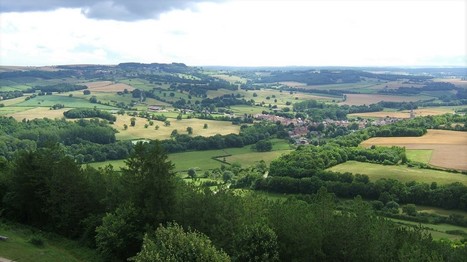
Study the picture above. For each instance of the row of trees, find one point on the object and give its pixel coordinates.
(248, 135)
(346, 185)
(89, 113)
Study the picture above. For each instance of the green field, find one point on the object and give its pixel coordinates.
(203, 160)
(437, 231)
(401, 173)
(419, 155)
(55, 248)
(11, 110)
(72, 102)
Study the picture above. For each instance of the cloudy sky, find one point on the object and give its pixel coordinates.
(235, 32)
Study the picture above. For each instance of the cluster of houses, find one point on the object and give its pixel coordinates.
(300, 127)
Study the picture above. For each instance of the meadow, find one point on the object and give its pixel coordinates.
(438, 231)
(399, 172)
(206, 160)
(54, 249)
(38, 112)
(367, 99)
(429, 111)
(72, 102)
(140, 132)
(449, 147)
(419, 155)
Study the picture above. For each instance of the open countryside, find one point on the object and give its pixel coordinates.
(226, 133)
(449, 147)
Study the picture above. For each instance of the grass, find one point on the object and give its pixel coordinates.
(401, 173)
(419, 155)
(50, 100)
(11, 110)
(55, 248)
(440, 211)
(437, 231)
(140, 132)
(203, 160)
(39, 112)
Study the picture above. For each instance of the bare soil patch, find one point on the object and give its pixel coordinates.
(449, 147)
(108, 86)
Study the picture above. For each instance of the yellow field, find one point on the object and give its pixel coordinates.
(366, 99)
(455, 81)
(138, 131)
(108, 86)
(449, 147)
(406, 113)
(39, 112)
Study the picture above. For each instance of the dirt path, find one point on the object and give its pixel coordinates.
(5, 260)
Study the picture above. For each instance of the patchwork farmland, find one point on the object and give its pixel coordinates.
(449, 147)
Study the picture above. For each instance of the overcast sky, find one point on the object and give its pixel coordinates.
(235, 32)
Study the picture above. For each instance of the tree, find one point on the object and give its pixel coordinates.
(93, 99)
(263, 146)
(227, 176)
(166, 123)
(189, 130)
(179, 117)
(205, 126)
(150, 181)
(133, 121)
(173, 244)
(125, 126)
(192, 173)
(256, 243)
(120, 234)
(410, 209)
(156, 127)
(86, 92)
(174, 133)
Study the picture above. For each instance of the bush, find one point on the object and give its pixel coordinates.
(36, 241)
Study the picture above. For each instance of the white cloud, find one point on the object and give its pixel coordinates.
(357, 33)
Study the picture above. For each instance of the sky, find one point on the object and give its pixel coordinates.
(410, 33)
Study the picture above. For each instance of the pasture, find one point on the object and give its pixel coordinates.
(431, 111)
(204, 160)
(72, 102)
(367, 99)
(438, 231)
(230, 78)
(140, 132)
(108, 86)
(55, 248)
(401, 173)
(449, 147)
(38, 112)
(7, 111)
(419, 155)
